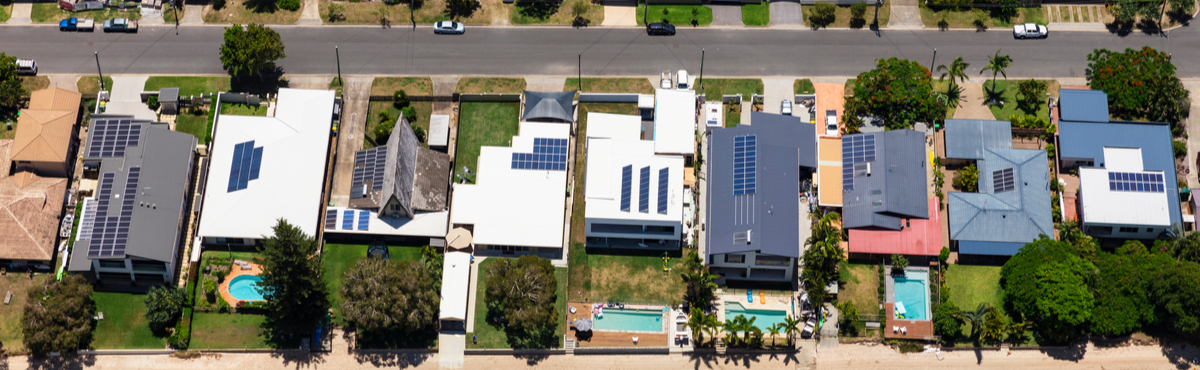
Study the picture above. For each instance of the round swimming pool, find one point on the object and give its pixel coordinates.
(245, 288)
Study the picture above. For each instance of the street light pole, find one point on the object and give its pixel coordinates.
(98, 71)
(646, 13)
(175, 9)
(341, 82)
(701, 83)
(934, 61)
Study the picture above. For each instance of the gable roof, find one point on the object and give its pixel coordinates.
(967, 139)
(28, 213)
(417, 177)
(44, 130)
(549, 105)
(1006, 218)
(889, 188)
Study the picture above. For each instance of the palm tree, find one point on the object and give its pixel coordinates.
(749, 328)
(997, 64)
(712, 327)
(732, 326)
(977, 317)
(774, 329)
(697, 323)
(791, 326)
(957, 71)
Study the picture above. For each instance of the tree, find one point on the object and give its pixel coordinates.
(944, 255)
(461, 6)
(774, 329)
(432, 261)
(1030, 95)
(994, 328)
(251, 49)
(400, 99)
(1141, 84)
(1185, 246)
(58, 319)
(823, 14)
(700, 285)
(700, 322)
(899, 263)
(1128, 11)
(1123, 302)
(579, 9)
(11, 89)
(946, 322)
(976, 318)
(523, 291)
(1046, 280)
(1083, 244)
(292, 282)
(968, 178)
(858, 10)
(163, 306)
(380, 295)
(822, 254)
(898, 91)
(336, 13)
(957, 72)
(997, 64)
(1176, 292)
(791, 326)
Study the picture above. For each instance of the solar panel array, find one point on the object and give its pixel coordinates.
(626, 187)
(1139, 182)
(247, 161)
(368, 165)
(663, 177)
(1002, 180)
(111, 137)
(745, 159)
(87, 223)
(644, 190)
(347, 219)
(364, 220)
(855, 149)
(110, 234)
(548, 154)
(330, 219)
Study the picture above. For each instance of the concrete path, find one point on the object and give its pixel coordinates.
(471, 293)
(357, 91)
(65, 82)
(1193, 132)
(192, 14)
(723, 15)
(21, 13)
(775, 91)
(450, 350)
(545, 84)
(973, 105)
(747, 107)
(786, 13)
(620, 13)
(311, 14)
(905, 15)
(126, 97)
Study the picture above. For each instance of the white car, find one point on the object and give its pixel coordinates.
(785, 108)
(1030, 30)
(831, 123)
(27, 67)
(449, 27)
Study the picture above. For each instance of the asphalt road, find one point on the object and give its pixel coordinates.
(552, 51)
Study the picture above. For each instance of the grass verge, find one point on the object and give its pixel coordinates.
(1008, 94)
(34, 83)
(427, 12)
(188, 85)
(241, 12)
(679, 15)
(171, 14)
(124, 325)
(338, 258)
(88, 84)
(541, 12)
(715, 88)
(611, 85)
(804, 86)
(842, 16)
(228, 331)
(756, 14)
(50, 12)
(5, 12)
(480, 124)
(410, 85)
(491, 85)
(965, 18)
(423, 108)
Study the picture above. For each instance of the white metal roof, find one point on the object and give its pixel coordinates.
(439, 130)
(424, 224)
(675, 122)
(614, 126)
(295, 145)
(456, 283)
(513, 206)
(1101, 205)
(608, 153)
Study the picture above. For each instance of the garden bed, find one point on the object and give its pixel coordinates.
(678, 15)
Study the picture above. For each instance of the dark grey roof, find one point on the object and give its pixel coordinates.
(168, 94)
(1007, 219)
(164, 161)
(413, 177)
(967, 139)
(1083, 105)
(549, 105)
(771, 214)
(1086, 141)
(894, 186)
(402, 159)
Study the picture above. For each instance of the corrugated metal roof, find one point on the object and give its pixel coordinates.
(549, 105)
(895, 186)
(1083, 105)
(921, 237)
(1013, 216)
(966, 139)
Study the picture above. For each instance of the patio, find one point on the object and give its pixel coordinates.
(609, 339)
(234, 272)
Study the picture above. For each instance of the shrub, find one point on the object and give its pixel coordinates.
(420, 133)
(823, 14)
(410, 114)
(400, 99)
(182, 336)
(944, 255)
(858, 10)
(1050, 154)
(899, 263)
(967, 179)
(220, 274)
(152, 102)
(222, 306)
(944, 322)
(210, 290)
(1179, 147)
(336, 13)
(292, 5)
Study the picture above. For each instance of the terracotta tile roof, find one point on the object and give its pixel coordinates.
(920, 238)
(24, 178)
(28, 213)
(44, 130)
(54, 99)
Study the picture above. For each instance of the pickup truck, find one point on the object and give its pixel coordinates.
(120, 25)
(1030, 30)
(77, 24)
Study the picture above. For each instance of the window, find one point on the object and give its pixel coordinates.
(771, 261)
(1149, 229)
(149, 266)
(668, 230)
(234, 240)
(507, 249)
(735, 258)
(1128, 229)
(112, 264)
(632, 229)
(1100, 230)
(24, 162)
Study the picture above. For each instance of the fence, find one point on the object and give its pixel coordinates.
(608, 98)
(841, 2)
(238, 98)
(490, 98)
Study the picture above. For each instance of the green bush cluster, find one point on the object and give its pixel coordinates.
(292, 5)
(182, 337)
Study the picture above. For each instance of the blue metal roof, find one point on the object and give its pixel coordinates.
(1083, 105)
(892, 187)
(989, 248)
(967, 139)
(1014, 216)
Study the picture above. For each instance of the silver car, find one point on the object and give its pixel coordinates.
(449, 27)
(785, 108)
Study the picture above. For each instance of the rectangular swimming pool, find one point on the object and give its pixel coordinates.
(912, 290)
(764, 318)
(630, 320)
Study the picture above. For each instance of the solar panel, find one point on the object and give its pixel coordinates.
(745, 158)
(663, 181)
(109, 138)
(347, 219)
(1002, 180)
(110, 234)
(244, 165)
(369, 165)
(644, 190)
(364, 220)
(626, 187)
(1137, 182)
(855, 149)
(548, 155)
(330, 219)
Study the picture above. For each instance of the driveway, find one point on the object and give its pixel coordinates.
(357, 92)
(786, 13)
(126, 98)
(620, 13)
(726, 15)
(905, 14)
(775, 91)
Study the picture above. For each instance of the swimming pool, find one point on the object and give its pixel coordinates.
(913, 291)
(764, 318)
(615, 319)
(245, 288)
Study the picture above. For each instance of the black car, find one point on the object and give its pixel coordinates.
(664, 29)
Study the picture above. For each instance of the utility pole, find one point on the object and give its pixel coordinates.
(931, 67)
(341, 82)
(175, 9)
(580, 78)
(701, 83)
(646, 14)
(98, 71)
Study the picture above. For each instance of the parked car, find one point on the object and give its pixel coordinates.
(785, 108)
(681, 80)
(449, 27)
(1030, 30)
(121, 25)
(660, 29)
(831, 123)
(76, 24)
(27, 67)
(809, 327)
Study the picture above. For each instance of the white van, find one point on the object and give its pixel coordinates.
(26, 67)
(681, 80)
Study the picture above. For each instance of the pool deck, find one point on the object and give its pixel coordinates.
(235, 271)
(610, 339)
(917, 329)
(774, 302)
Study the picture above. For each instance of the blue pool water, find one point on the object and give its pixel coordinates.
(913, 291)
(630, 320)
(245, 288)
(764, 318)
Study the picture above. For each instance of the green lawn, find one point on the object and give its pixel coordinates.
(124, 325)
(618, 278)
(87, 84)
(5, 11)
(492, 337)
(861, 286)
(678, 15)
(943, 87)
(480, 124)
(189, 85)
(491, 85)
(965, 18)
(410, 85)
(423, 108)
(546, 12)
(338, 258)
(577, 215)
(193, 124)
(10, 317)
(50, 12)
(1008, 91)
(733, 115)
(843, 17)
(611, 85)
(804, 86)
(227, 331)
(756, 14)
(715, 88)
(244, 110)
(969, 285)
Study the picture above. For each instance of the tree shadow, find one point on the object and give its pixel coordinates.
(581, 22)
(857, 23)
(459, 12)
(393, 359)
(1121, 29)
(1149, 27)
(1179, 17)
(980, 26)
(300, 359)
(993, 97)
(1073, 352)
(532, 359)
(76, 362)
(390, 339)
(743, 359)
(261, 6)
(267, 82)
(539, 9)
(1182, 355)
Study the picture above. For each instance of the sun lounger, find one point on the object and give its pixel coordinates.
(904, 330)
(895, 329)
(750, 296)
(762, 297)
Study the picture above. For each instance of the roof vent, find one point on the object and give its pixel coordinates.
(742, 237)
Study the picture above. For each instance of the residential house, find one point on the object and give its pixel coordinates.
(45, 135)
(30, 206)
(885, 190)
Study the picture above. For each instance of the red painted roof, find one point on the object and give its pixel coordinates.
(920, 238)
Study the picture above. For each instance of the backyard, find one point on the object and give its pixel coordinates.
(483, 124)
(491, 85)
(423, 108)
(188, 86)
(50, 12)
(211, 330)
(1008, 94)
(10, 317)
(240, 12)
(610, 85)
(410, 85)
(968, 285)
(338, 258)
(842, 16)
(715, 88)
(124, 325)
(678, 15)
(489, 336)
(861, 286)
